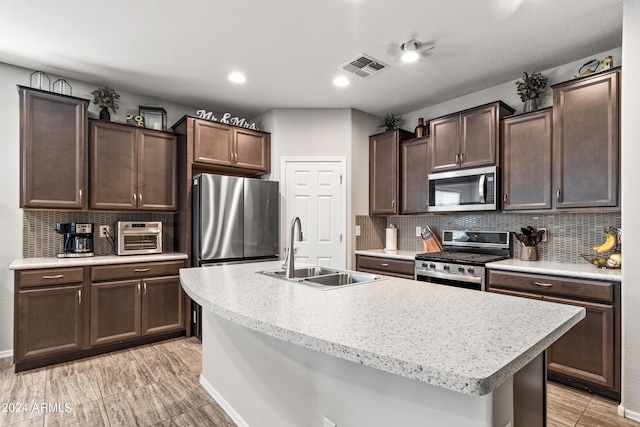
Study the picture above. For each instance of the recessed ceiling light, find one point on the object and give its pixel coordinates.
(341, 81)
(237, 78)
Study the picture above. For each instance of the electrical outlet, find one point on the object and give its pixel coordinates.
(357, 230)
(105, 230)
(418, 231)
(545, 236)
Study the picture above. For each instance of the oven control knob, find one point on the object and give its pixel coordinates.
(446, 267)
(424, 265)
(432, 265)
(470, 270)
(461, 269)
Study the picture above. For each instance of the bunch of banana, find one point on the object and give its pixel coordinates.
(608, 244)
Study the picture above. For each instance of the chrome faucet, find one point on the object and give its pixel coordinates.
(290, 256)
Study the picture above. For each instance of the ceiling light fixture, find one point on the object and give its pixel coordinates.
(341, 81)
(410, 51)
(237, 78)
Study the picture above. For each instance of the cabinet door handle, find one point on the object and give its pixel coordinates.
(57, 276)
(138, 288)
(544, 285)
(79, 296)
(80, 194)
(461, 158)
(457, 159)
(393, 204)
(145, 288)
(141, 270)
(558, 195)
(139, 199)
(384, 264)
(505, 198)
(230, 157)
(135, 200)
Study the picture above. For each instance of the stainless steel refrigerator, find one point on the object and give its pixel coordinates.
(234, 220)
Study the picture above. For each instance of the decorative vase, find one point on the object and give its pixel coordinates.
(530, 105)
(420, 128)
(529, 253)
(104, 114)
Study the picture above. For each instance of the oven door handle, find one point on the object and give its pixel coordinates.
(483, 179)
(447, 276)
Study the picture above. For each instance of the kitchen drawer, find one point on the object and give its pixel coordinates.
(392, 267)
(552, 285)
(132, 271)
(50, 276)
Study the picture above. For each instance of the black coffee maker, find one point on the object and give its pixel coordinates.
(78, 239)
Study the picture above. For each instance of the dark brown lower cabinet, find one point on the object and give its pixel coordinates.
(115, 311)
(51, 322)
(64, 314)
(387, 266)
(588, 356)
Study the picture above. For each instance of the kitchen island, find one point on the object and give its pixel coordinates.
(389, 352)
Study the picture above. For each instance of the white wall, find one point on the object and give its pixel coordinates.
(506, 92)
(631, 208)
(335, 132)
(10, 213)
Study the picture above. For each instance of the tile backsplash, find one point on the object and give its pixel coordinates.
(41, 240)
(569, 234)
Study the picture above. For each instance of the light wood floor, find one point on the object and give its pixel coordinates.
(157, 385)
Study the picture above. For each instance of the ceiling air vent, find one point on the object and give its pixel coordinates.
(364, 66)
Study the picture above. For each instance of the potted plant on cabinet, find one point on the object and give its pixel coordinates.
(530, 88)
(105, 98)
(390, 122)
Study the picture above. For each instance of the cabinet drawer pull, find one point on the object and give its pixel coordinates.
(57, 276)
(141, 270)
(544, 285)
(79, 296)
(384, 264)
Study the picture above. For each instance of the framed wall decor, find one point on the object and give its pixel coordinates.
(154, 117)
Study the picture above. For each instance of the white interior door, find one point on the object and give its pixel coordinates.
(314, 191)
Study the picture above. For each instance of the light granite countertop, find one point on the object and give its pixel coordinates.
(53, 262)
(383, 253)
(459, 339)
(583, 271)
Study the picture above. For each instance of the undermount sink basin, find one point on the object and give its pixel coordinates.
(322, 277)
(340, 279)
(302, 273)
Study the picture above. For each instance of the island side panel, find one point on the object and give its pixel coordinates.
(260, 380)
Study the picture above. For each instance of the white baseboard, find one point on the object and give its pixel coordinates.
(223, 403)
(6, 353)
(635, 416)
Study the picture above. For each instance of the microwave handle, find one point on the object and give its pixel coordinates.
(483, 178)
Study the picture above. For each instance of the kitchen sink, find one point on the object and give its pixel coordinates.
(322, 277)
(340, 279)
(301, 273)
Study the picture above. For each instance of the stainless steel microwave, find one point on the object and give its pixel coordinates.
(464, 190)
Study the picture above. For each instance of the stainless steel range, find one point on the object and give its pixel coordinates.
(462, 261)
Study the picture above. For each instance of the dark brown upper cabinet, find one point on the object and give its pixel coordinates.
(221, 148)
(467, 139)
(414, 171)
(132, 168)
(586, 141)
(53, 150)
(384, 169)
(526, 173)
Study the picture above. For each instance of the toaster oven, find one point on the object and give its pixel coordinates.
(138, 238)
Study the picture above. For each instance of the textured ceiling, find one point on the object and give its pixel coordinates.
(290, 50)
